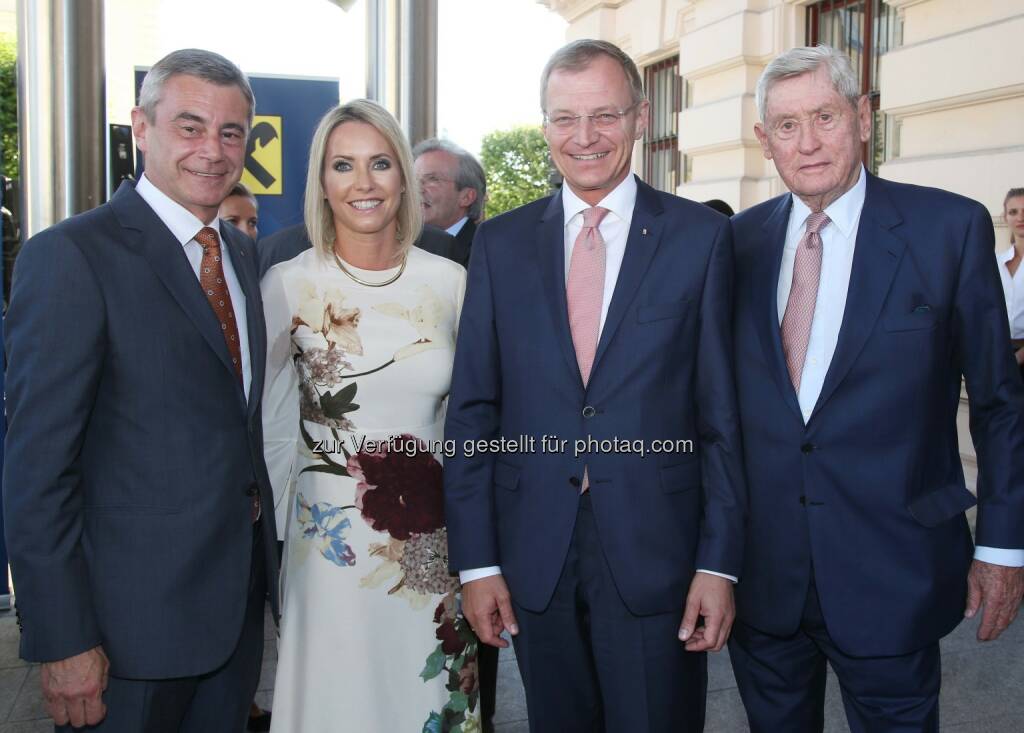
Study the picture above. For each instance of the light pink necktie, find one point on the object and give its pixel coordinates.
(803, 295)
(584, 290)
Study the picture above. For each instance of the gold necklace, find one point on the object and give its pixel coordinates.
(367, 283)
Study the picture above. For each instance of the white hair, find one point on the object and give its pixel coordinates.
(806, 60)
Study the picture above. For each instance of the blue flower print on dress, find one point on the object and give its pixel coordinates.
(326, 525)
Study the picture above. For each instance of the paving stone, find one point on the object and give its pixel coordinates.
(29, 703)
(33, 726)
(11, 681)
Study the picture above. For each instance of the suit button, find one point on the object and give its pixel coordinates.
(808, 447)
(589, 412)
(575, 482)
(251, 490)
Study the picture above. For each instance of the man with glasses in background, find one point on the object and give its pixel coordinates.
(454, 190)
(596, 326)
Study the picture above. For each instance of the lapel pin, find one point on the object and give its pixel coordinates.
(643, 232)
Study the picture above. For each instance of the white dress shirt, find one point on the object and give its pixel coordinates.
(838, 240)
(614, 228)
(184, 225)
(1013, 291)
(455, 228)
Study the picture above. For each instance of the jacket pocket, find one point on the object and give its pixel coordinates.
(914, 321)
(506, 476)
(680, 477)
(661, 311)
(941, 504)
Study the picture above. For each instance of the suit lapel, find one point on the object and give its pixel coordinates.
(245, 270)
(766, 268)
(876, 258)
(166, 257)
(641, 245)
(551, 255)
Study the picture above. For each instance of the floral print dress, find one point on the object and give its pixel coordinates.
(372, 636)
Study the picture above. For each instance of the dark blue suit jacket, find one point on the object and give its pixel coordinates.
(131, 449)
(871, 490)
(663, 371)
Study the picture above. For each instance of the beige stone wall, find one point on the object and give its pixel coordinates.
(954, 94)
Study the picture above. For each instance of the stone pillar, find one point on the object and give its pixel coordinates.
(61, 109)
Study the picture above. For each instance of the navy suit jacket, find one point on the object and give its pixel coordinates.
(871, 489)
(663, 371)
(131, 448)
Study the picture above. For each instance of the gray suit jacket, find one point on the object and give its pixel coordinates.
(131, 452)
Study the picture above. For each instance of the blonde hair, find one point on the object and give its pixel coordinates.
(317, 212)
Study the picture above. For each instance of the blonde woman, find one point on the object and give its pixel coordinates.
(1010, 272)
(361, 332)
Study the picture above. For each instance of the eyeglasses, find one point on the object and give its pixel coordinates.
(602, 120)
(432, 179)
(823, 121)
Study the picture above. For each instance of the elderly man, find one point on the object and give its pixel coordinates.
(598, 316)
(454, 191)
(135, 481)
(859, 305)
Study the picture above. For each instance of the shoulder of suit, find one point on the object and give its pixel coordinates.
(910, 196)
(527, 215)
(94, 228)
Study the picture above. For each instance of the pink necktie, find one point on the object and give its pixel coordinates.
(585, 289)
(803, 295)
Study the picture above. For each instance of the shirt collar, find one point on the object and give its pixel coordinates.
(455, 228)
(1006, 255)
(184, 225)
(843, 213)
(620, 201)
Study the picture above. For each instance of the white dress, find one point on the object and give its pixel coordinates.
(372, 636)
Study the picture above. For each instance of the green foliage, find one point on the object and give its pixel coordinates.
(8, 107)
(518, 168)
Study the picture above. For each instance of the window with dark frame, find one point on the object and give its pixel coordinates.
(864, 30)
(661, 160)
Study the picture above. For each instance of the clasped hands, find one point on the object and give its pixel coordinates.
(487, 606)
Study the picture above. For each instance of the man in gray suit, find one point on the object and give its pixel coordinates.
(134, 478)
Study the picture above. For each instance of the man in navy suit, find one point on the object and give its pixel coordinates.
(134, 485)
(596, 343)
(859, 305)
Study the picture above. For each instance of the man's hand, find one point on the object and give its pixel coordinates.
(711, 597)
(488, 607)
(998, 589)
(1019, 355)
(73, 688)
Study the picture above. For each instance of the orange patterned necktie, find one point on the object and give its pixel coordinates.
(215, 286)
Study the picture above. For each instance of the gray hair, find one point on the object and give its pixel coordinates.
(469, 175)
(807, 60)
(205, 65)
(578, 55)
(317, 212)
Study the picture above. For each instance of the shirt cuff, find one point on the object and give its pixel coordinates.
(720, 575)
(467, 576)
(999, 556)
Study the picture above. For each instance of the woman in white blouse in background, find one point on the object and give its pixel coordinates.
(1010, 271)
